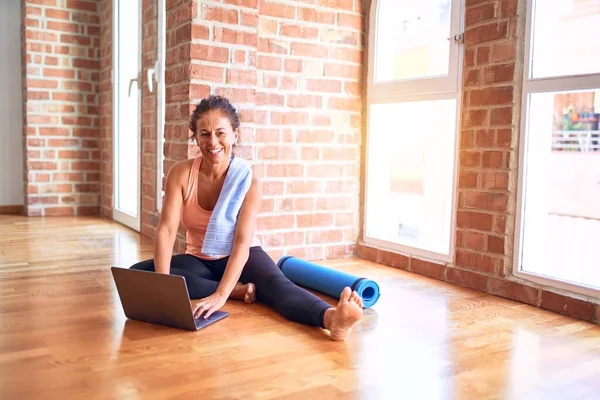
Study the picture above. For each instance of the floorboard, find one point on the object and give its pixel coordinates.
(63, 335)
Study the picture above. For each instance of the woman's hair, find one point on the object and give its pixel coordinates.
(214, 103)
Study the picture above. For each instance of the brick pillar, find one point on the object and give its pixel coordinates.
(223, 56)
(178, 87)
(294, 72)
(61, 125)
(106, 143)
(490, 118)
(177, 79)
(308, 126)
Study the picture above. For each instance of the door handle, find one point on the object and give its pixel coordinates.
(136, 80)
(149, 74)
(131, 83)
(152, 72)
(458, 38)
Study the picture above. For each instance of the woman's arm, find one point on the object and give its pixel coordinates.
(170, 215)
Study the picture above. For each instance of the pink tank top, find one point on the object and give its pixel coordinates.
(195, 218)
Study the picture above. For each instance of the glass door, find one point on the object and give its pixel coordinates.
(413, 105)
(127, 87)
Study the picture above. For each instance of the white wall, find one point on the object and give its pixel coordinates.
(11, 107)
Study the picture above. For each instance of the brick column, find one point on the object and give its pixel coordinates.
(293, 70)
(490, 120)
(223, 53)
(105, 98)
(308, 125)
(177, 79)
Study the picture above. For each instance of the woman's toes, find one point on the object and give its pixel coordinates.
(346, 294)
(250, 296)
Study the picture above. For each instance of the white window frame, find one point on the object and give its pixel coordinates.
(133, 222)
(418, 89)
(531, 86)
(160, 67)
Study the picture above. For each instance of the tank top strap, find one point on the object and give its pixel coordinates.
(192, 186)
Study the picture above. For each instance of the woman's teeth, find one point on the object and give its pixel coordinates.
(215, 152)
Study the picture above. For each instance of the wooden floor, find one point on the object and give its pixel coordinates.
(63, 335)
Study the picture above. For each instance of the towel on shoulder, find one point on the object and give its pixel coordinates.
(218, 240)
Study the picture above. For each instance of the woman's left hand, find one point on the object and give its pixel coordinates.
(209, 304)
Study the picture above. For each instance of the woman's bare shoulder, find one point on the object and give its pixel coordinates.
(181, 167)
(180, 171)
(177, 177)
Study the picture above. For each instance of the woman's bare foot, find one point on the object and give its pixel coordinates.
(340, 320)
(246, 292)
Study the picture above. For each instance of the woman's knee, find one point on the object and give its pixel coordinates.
(146, 265)
(259, 265)
(178, 261)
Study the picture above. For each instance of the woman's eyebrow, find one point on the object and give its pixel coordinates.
(218, 129)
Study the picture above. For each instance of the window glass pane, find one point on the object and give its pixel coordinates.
(562, 187)
(565, 38)
(412, 39)
(410, 173)
(128, 108)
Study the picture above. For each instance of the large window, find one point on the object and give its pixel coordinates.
(559, 212)
(413, 102)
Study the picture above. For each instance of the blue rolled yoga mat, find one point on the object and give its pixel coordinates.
(328, 281)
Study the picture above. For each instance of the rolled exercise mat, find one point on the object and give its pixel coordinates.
(327, 280)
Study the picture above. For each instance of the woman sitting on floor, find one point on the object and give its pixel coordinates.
(223, 257)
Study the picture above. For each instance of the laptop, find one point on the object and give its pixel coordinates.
(159, 299)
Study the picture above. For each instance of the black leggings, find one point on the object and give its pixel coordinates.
(272, 287)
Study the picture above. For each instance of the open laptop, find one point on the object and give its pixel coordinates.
(159, 299)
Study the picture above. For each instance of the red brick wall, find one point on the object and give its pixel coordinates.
(61, 96)
(491, 96)
(310, 72)
(485, 231)
(293, 70)
(179, 89)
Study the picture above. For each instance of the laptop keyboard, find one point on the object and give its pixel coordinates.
(201, 322)
(216, 316)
